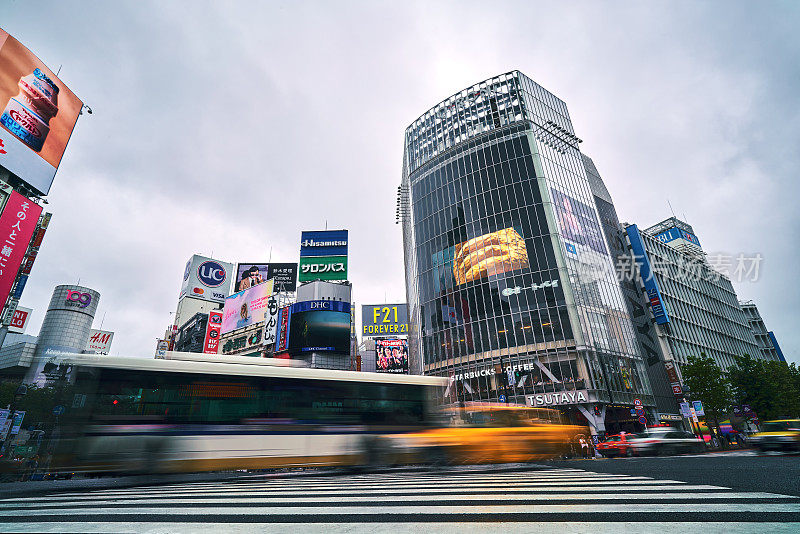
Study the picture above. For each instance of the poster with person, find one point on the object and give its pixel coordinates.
(391, 356)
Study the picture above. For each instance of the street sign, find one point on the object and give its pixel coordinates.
(643, 420)
(637, 403)
(58, 410)
(686, 410)
(698, 408)
(502, 398)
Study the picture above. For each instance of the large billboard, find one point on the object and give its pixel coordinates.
(494, 253)
(250, 274)
(648, 278)
(320, 326)
(578, 221)
(391, 356)
(17, 224)
(37, 118)
(384, 319)
(206, 279)
(20, 320)
(99, 341)
(246, 307)
(323, 255)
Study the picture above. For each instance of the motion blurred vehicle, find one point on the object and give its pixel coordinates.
(616, 445)
(194, 412)
(666, 441)
(485, 433)
(780, 435)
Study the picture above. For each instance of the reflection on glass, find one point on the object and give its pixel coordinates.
(495, 253)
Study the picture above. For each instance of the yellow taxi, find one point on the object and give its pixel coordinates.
(782, 435)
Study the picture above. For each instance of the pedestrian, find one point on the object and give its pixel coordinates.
(584, 446)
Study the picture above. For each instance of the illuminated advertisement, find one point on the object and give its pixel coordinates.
(246, 307)
(646, 274)
(323, 243)
(17, 224)
(578, 221)
(213, 333)
(323, 268)
(206, 279)
(384, 319)
(250, 274)
(320, 326)
(495, 253)
(391, 356)
(37, 117)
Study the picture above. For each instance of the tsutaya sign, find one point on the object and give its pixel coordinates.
(558, 399)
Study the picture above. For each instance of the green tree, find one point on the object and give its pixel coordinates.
(708, 383)
(772, 389)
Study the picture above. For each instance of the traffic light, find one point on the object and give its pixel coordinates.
(597, 410)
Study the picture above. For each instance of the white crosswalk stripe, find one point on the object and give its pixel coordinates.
(548, 500)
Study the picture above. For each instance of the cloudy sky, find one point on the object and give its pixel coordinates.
(229, 127)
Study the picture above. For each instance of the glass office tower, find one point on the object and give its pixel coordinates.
(511, 288)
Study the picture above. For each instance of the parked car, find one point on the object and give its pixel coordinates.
(782, 435)
(666, 441)
(616, 445)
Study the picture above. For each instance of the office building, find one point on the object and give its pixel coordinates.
(765, 339)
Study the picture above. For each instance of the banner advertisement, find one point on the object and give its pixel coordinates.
(323, 243)
(38, 115)
(285, 276)
(246, 307)
(162, 346)
(213, 332)
(490, 254)
(282, 334)
(99, 341)
(271, 323)
(651, 287)
(206, 279)
(244, 340)
(323, 268)
(384, 319)
(391, 356)
(17, 224)
(20, 319)
(251, 274)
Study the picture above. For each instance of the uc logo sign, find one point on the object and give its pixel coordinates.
(211, 273)
(82, 300)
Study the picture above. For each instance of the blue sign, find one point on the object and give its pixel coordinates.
(321, 305)
(648, 278)
(211, 273)
(643, 420)
(571, 248)
(324, 243)
(23, 279)
(58, 410)
(502, 398)
(676, 233)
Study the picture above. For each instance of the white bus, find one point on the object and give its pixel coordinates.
(192, 412)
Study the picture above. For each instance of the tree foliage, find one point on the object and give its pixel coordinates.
(772, 389)
(708, 383)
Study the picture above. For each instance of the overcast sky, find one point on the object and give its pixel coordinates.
(229, 127)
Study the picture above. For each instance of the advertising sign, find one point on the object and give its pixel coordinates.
(271, 322)
(162, 346)
(213, 332)
(282, 334)
(686, 410)
(250, 274)
(391, 356)
(490, 254)
(676, 233)
(323, 268)
(246, 307)
(323, 243)
(20, 319)
(558, 399)
(698, 408)
(320, 326)
(17, 422)
(99, 341)
(384, 319)
(17, 224)
(37, 118)
(650, 285)
(206, 279)
(248, 340)
(578, 221)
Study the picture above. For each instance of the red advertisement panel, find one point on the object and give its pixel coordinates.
(17, 224)
(211, 344)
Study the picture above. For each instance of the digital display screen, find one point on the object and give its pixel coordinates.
(320, 331)
(391, 355)
(495, 253)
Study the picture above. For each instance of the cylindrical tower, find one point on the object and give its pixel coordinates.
(511, 288)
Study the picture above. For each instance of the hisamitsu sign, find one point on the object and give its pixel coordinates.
(384, 319)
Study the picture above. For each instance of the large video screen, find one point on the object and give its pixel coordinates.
(320, 326)
(249, 275)
(578, 221)
(246, 307)
(391, 355)
(37, 115)
(495, 253)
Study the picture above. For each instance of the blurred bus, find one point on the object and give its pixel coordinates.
(194, 412)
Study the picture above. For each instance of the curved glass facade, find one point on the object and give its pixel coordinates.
(512, 292)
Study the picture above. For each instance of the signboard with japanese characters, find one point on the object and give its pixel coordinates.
(17, 224)
(323, 255)
(213, 333)
(271, 323)
(323, 268)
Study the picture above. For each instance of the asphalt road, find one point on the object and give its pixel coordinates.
(731, 493)
(739, 470)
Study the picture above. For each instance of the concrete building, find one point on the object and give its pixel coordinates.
(767, 343)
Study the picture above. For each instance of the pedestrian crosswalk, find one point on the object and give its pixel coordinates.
(453, 500)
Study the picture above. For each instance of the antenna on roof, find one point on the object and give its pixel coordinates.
(670, 208)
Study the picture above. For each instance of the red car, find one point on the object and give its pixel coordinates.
(617, 445)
